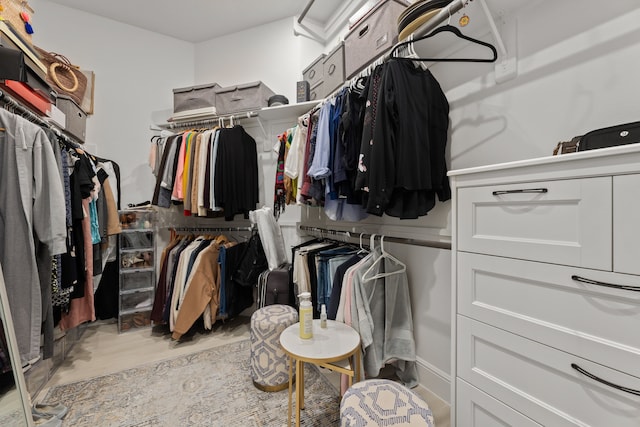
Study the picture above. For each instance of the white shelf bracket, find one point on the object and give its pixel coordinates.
(506, 67)
(309, 30)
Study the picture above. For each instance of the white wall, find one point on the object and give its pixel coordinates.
(135, 71)
(270, 53)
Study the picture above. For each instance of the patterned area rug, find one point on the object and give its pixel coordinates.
(208, 388)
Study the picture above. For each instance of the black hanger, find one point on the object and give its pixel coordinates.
(456, 31)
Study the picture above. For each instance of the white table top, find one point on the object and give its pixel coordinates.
(329, 344)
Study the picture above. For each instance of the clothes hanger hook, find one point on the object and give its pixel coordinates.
(372, 241)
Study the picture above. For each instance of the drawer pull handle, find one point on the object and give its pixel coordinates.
(525, 190)
(332, 69)
(312, 74)
(605, 382)
(606, 285)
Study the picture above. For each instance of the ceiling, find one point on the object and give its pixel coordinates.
(199, 20)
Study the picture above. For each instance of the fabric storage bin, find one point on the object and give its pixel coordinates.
(333, 70)
(194, 97)
(374, 35)
(314, 73)
(244, 97)
(75, 118)
(316, 92)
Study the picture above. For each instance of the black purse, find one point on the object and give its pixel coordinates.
(253, 261)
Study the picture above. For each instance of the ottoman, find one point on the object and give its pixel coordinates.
(383, 403)
(269, 363)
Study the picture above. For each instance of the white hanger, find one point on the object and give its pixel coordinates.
(385, 255)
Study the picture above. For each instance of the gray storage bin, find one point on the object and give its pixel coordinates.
(333, 70)
(75, 118)
(313, 73)
(316, 92)
(194, 97)
(244, 97)
(373, 36)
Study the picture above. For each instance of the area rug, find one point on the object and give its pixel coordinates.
(207, 388)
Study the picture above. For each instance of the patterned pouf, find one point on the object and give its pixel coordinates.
(383, 403)
(269, 363)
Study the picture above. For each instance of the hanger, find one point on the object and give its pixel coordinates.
(458, 33)
(388, 256)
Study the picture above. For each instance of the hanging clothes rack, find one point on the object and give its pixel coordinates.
(33, 117)
(207, 122)
(209, 229)
(324, 232)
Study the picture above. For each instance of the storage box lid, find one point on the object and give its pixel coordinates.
(315, 61)
(67, 98)
(197, 87)
(374, 9)
(238, 87)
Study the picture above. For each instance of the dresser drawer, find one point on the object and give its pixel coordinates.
(563, 222)
(543, 302)
(626, 224)
(539, 381)
(477, 409)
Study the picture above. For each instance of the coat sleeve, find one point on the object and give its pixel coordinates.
(49, 215)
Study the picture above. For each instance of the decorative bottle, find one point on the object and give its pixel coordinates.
(306, 316)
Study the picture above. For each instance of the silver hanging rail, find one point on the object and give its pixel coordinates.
(325, 232)
(207, 122)
(208, 229)
(33, 117)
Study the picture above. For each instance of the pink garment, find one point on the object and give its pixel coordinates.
(82, 309)
(177, 181)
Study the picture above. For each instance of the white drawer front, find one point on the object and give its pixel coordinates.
(563, 222)
(539, 381)
(477, 409)
(626, 224)
(543, 302)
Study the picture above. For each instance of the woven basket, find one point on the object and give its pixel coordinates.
(63, 76)
(11, 13)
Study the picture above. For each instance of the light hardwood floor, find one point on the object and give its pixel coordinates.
(102, 350)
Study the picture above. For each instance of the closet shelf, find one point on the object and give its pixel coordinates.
(136, 270)
(136, 310)
(135, 291)
(267, 113)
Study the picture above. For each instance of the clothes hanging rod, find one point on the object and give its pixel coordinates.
(206, 122)
(33, 117)
(404, 240)
(305, 11)
(206, 229)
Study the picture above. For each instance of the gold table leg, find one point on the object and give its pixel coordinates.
(290, 388)
(299, 389)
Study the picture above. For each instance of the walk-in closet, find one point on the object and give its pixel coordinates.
(319, 213)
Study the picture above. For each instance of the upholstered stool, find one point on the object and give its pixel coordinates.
(383, 403)
(269, 363)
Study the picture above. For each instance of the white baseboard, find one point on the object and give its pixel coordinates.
(435, 380)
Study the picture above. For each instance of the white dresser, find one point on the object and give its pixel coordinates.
(546, 292)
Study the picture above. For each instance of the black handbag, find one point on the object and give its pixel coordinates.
(12, 65)
(253, 261)
(628, 133)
